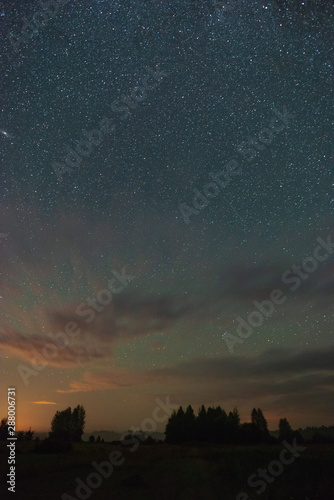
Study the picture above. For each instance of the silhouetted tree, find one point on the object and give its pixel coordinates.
(261, 424)
(249, 433)
(25, 435)
(233, 426)
(259, 420)
(212, 425)
(220, 424)
(67, 425)
(61, 425)
(20, 435)
(189, 421)
(181, 425)
(3, 429)
(216, 420)
(78, 423)
(92, 439)
(286, 433)
(28, 435)
(201, 425)
(150, 440)
(171, 429)
(284, 430)
(176, 427)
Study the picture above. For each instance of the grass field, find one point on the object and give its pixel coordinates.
(162, 471)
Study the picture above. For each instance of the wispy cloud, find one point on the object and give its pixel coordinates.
(128, 316)
(113, 379)
(44, 403)
(26, 346)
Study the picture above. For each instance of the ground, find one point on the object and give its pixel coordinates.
(170, 472)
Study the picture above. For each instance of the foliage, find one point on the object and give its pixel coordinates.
(284, 429)
(28, 435)
(260, 424)
(25, 435)
(214, 425)
(286, 433)
(68, 425)
(3, 429)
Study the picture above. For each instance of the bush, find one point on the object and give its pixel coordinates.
(150, 440)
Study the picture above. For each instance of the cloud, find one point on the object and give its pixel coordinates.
(244, 282)
(44, 403)
(273, 362)
(274, 373)
(127, 316)
(114, 379)
(26, 346)
(249, 282)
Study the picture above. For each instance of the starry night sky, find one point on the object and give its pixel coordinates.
(222, 75)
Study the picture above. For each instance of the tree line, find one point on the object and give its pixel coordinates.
(20, 435)
(211, 425)
(214, 425)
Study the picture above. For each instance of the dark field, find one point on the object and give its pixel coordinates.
(162, 471)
